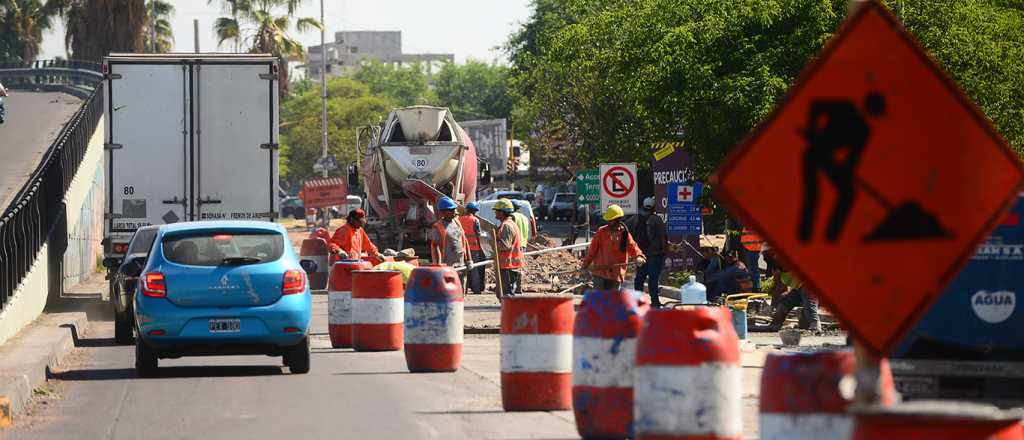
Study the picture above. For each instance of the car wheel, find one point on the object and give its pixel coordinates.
(297, 357)
(146, 362)
(122, 328)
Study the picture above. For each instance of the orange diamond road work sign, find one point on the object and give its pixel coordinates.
(874, 180)
(322, 192)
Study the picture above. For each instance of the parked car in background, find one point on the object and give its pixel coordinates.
(124, 279)
(562, 206)
(293, 207)
(487, 213)
(545, 194)
(222, 288)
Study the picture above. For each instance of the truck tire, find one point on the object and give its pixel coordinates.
(122, 328)
(296, 358)
(146, 362)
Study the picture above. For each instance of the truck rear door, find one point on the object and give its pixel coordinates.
(147, 144)
(236, 131)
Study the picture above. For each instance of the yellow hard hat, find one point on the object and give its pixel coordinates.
(504, 205)
(613, 212)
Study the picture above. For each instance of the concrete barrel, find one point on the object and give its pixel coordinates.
(339, 301)
(604, 357)
(937, 420)
(806, 395)
(536, 352)
(377, 310)
(433, 319)
(688, 376)
(315, 249)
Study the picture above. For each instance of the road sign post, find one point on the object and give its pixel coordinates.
(875, 178)
(618, 184)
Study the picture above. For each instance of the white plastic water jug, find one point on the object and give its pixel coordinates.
(694, 292)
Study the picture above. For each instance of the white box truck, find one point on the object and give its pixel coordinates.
(188, 137)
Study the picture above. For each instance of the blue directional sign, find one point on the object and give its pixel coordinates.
(683, 210)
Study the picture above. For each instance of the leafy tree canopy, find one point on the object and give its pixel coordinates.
(405, 84)
(475, 90)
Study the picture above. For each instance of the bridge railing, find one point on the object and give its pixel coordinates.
(70, 76)
(37, 216)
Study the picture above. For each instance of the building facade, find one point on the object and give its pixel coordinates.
(351, 48)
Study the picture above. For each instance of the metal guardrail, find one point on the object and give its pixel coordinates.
(36, 216)
(74, 77)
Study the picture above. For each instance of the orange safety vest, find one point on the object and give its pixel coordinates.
(751, 241)
(469, 226)
(512, 259)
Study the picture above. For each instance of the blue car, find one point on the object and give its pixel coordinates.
(222, 288)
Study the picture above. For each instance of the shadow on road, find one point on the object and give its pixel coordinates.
(95, 308)
(374, 373)
(88, 342)
(169, 373)
(461, 412)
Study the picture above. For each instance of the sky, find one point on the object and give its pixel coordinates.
(467, 28)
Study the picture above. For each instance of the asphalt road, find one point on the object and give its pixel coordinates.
(33, 121)
(345, 395)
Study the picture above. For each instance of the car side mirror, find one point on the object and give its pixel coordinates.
(111, 262)
(308, 265)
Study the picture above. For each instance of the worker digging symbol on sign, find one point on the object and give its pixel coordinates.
(836, 136)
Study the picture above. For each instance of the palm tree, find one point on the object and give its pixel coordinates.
(95, 28)
(22, 24)
(253, 26)
(159, 17)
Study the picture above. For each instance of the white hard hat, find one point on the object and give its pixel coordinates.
(649, 203)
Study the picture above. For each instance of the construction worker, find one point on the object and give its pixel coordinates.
(789, 293)
(610, 251)
(448, 244)
(652, 237)
(510, 248)
(352, 239)
(400, 264)
(524, 224)
(471, 225)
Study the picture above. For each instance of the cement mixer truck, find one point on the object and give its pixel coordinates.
(415, 157)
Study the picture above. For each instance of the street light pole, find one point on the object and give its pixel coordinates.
(323, 86)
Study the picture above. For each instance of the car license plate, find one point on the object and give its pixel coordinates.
(225, 325)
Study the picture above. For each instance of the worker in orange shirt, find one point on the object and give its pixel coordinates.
(610, 251)
(471, 224)
(351, 238)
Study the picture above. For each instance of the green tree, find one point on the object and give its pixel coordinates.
(21, 28)
(601, 80)
(475, 90)
(349, 106)
(406, 85)
(95, 28)
(159, 18)
(261, 26)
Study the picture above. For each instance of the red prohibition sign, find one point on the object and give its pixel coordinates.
(610, 176)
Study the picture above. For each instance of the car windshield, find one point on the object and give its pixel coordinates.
(564, 197)
(220, 248)
(142, 242)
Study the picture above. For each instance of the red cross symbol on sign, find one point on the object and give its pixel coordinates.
(685, 194)
(618, 181)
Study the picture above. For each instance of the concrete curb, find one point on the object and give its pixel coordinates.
(27, 360)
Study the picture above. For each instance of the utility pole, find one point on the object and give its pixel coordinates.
(324, 212)
(195, 30)
(152, 24)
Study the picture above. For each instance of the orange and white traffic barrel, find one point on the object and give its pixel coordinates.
(604, 357)
(433, 319)
(315, 249)
(536, 352)
(377, 310)
(688, 376)
(751, 241)
(936, 420)
(339, 301)
(806, 395)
